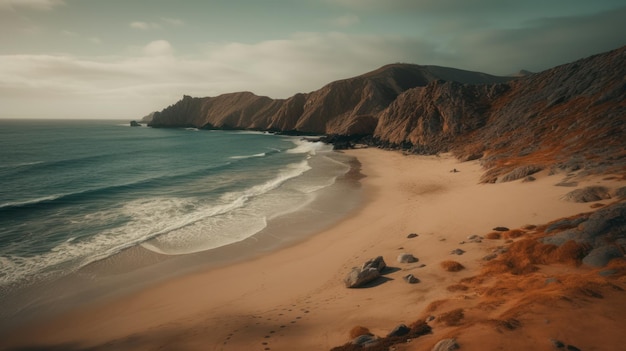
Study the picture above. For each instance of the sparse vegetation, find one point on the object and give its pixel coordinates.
(452, 266)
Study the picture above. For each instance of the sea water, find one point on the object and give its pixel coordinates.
(76, 193)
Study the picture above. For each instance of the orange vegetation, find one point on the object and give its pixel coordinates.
(452, 266)
(358, 331)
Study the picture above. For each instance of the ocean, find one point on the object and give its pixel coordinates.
(77, 197)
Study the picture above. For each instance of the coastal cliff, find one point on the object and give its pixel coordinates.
(569, 117)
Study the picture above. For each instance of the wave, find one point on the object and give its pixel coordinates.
(27, 203)
(23, 164)
(170, 218)
(308, 147)
(262, 154)
(72, 197)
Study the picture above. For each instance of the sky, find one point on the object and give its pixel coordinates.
(126, 58)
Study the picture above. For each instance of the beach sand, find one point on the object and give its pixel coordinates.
(294, 298)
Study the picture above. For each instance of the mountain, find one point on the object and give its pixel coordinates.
(566, 118)
(345, 107)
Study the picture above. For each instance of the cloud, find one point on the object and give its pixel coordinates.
(155, 75)
(144, 25)
(345, 21)
(158, 48)
(542, 43)
(31, 4)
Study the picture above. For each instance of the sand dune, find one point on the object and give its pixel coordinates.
(294, 298)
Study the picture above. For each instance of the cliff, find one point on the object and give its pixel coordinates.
(345, 107)
(566, 118)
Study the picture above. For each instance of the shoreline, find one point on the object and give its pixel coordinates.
(295, 295)
(137, 268)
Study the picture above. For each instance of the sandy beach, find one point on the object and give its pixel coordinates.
(294, 298)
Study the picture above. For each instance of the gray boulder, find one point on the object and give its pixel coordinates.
(411, 279)
(368, 272)
(588, 194)
(601, 256)
(406, 258)
(365, 340)
(446, 345)
(399, 331)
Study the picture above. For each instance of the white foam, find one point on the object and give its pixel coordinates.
(262, 154)
(31, 202)
(308, 147)
(182, 225)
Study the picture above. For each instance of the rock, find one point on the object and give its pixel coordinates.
(446, 345)
(520, 172)
(365, 340)
(407, 258)
(608, 272)
(588, 194)
(529, 179)
(377, 263)
(600, 257)
(557, 344)
(490, 257)
(620, 193)
(411, 279)
(368, 272)
(135, 124)
(572, 348)
(567, 184)
(359, 277)
(412, 235)
(457, 252)
(565, 224)
(399, 331)
(501, 229)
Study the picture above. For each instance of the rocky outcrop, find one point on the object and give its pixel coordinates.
(603, 232)
(588, 194)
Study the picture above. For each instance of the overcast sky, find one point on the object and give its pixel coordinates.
(126, 58)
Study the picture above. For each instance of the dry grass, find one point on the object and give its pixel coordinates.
(358, 331)
(513, 234)
(494, 235)
(433, 306)
(457, 287)
(452, 266)
(418, 328)
(452, 318)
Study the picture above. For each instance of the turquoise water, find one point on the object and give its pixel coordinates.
(77, 192)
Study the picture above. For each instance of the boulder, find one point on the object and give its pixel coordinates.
(365, 340)
(135, 124)
(601, 256)
(501, 229)
(368, 272)
(446, 345)
(407, 258)
(588, 194)
(411, 236)
(411, 279)
(399, 331)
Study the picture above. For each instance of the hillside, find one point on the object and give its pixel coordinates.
(566, 118)
(345, 107)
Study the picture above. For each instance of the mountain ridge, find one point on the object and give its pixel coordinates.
(565, 118)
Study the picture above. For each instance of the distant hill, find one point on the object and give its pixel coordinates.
(566, 118)
(345, 107)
